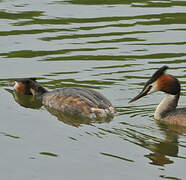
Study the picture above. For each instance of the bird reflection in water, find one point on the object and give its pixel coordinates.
(25, 100)
(163, 150)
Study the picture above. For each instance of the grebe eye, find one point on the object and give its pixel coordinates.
(150, 86)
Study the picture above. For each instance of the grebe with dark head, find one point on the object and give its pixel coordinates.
(82, 102)
(166, 111)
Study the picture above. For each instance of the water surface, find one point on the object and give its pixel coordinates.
(112, 47)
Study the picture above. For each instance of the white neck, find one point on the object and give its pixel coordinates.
(168, 104)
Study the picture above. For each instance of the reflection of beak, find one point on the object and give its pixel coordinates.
(144, 92)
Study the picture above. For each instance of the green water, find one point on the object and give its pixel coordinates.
(112, 47)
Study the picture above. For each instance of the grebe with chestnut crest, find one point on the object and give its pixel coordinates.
(166, 111)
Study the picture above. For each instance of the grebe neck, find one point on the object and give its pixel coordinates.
(168, 104)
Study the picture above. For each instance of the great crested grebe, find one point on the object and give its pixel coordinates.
(166, 111)
(82, 102)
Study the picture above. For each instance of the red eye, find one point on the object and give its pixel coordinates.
(149, 88)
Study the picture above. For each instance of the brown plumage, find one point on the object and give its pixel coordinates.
(75, 101)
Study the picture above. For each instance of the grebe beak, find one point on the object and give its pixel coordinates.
(144, 92)
(152, 84)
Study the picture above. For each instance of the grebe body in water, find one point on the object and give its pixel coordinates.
(83, 102)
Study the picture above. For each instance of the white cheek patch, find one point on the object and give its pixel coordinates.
(154, 88)
(16, 85)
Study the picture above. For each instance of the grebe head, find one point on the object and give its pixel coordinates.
(29, 86)
(160, 82)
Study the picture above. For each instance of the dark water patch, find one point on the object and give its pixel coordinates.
(32, 31)
(137, 77)
(116, 24)
(140, 50)
(20, 15)
(116, 66)
(31, 53)
(62, 21)
(108, 25)
(165, 43)
(138, 126)
(118, 157)
(159, 4)
(153, 19)
(96, 35)
(117, 72)
(117, 58)
(161, 148)
(105, 2)
(159, 56)
(88, 57)
(9, 135)
(166, 18)
(178, 29)
(97, 135)
(61, 73)
(49, 154)
(170, 177)
(142, 110)
(153, 4)
(77, 36)
(32, 158)
(134, 136)
(34, 21)
(117, 40)
(175, 61)
(98, 84)
(72, 138)
(57, 21)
